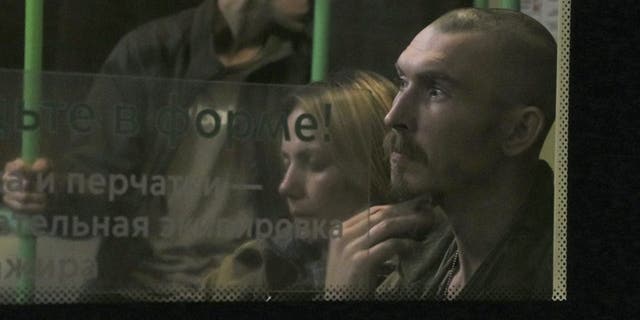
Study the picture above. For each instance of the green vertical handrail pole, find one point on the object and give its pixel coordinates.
(30, 137)
(511, 4)
(483, 4)
(320, 55)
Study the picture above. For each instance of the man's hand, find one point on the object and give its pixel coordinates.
(19, 188)
(368, 240)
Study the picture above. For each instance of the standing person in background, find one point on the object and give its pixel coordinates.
(256, 41)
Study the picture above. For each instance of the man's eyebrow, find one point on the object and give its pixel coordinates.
(431, 75)
(398, 69)
(437, 76)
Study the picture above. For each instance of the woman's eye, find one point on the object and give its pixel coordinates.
(317, 165)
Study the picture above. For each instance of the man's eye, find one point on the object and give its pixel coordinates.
(435, 93)
(402, 83)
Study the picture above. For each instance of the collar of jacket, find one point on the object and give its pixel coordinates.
(203, 64)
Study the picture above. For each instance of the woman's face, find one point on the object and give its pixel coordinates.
(313, 185)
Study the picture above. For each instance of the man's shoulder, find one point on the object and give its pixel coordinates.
(152, 49)
(163, 31)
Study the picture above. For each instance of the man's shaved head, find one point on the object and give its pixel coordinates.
(477, 97)
(524, 47)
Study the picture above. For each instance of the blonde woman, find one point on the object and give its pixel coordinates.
(329, 175)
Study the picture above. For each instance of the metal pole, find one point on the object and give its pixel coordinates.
(481, 4)
(30, 138)
(321, 23)
(511, 4)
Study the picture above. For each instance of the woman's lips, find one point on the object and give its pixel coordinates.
(296, 209)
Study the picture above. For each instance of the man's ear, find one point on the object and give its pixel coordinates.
(525, 127)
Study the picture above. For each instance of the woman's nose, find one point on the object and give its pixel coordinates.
(291, 185)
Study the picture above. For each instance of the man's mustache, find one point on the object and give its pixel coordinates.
(395, 141)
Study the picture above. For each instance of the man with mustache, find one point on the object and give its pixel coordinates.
(476, 100)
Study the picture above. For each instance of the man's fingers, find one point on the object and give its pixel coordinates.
(27, 197)
(18, 166)
(15, 166)
(13, 183)
(41, 165)
(13, 175)
(19, 176)
(23, 207)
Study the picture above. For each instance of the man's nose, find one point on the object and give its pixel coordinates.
(399, 116)
(291, 185)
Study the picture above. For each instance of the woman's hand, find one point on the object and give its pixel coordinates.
(368, 240)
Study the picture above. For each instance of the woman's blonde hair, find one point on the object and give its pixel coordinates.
(359, 101)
